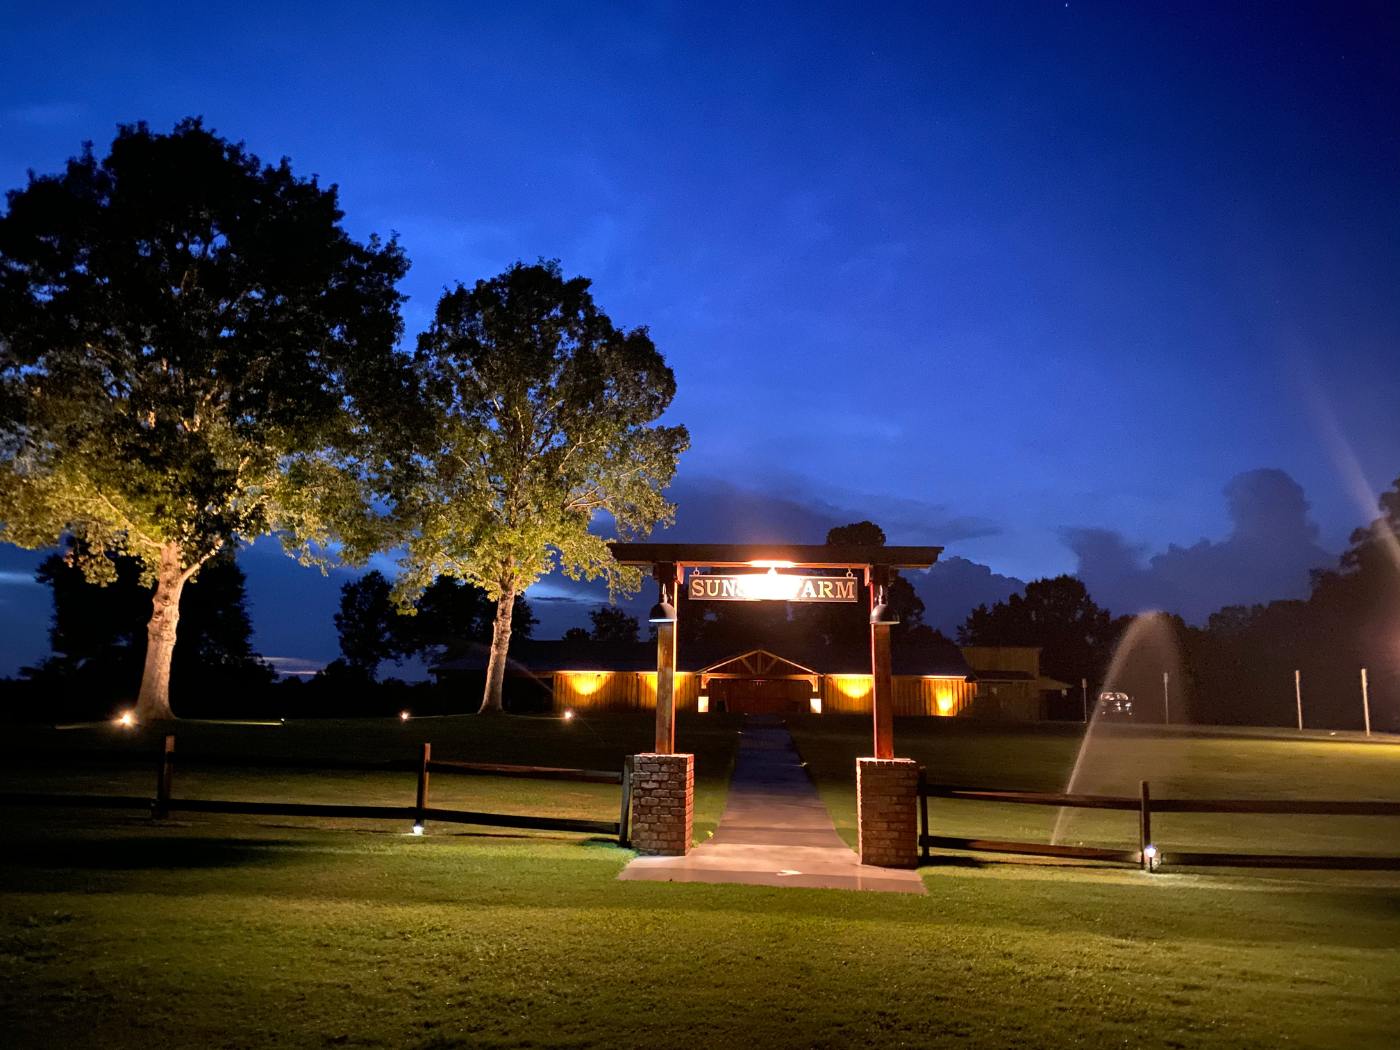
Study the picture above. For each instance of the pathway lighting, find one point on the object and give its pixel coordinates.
(1150, 853)
(569, 715)
(127, 719)
(403, 716)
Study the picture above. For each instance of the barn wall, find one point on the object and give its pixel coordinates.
(849, 694)
(619, 690)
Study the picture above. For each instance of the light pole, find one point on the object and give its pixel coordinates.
(1298, 695)
(1366, 701)
(1167, 697)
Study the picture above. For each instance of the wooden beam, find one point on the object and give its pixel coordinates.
(668, 576)
(738, 555)
(882, 680)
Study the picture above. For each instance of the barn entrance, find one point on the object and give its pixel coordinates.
(758, 683)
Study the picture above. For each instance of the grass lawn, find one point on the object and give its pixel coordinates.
(251, 932)
(1242, 764)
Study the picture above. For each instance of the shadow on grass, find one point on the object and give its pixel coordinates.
(149, 853)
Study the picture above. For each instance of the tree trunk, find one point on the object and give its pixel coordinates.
(153, 702)
(500, 646)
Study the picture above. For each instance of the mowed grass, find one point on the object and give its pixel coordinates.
(252, 932)
(81, 761)
(1249, 764)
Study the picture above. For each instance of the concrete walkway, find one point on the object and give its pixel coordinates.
(775, 830)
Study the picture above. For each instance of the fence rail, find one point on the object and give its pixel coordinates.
(166, 802)
(1148, 856)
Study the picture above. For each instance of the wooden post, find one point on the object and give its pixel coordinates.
(1366, 701)
(624, 819)
(882, 681)
(667, 576)
(923, 813)
(1144, 824)
(165, 779)
(420, 818)
(1298, 696)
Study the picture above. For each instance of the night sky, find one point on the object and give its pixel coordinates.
(1081, 287)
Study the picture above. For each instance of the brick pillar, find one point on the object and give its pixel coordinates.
(887, 802)
(663, 803)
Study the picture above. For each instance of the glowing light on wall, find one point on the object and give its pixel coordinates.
(702, 704)
(944, 700)
(816, 705)
(853, 685)
(585, 684)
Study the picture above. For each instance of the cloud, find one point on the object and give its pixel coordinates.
(955, 586)
(1270, 554)
(713, 510)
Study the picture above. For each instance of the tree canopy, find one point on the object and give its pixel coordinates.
(448, 617)
(193, 352)
(1076, 636)
(542, 422)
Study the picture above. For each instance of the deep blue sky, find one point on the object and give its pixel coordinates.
(1032, 280)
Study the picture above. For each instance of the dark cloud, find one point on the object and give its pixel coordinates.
(956, 586)
(1270, 552)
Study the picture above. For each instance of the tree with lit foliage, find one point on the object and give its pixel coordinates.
(193, 353)
(541, 416)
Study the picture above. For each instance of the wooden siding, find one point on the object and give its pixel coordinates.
(849, 694)
(619, 690)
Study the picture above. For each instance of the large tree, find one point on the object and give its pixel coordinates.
(191, 347)
(98, 634)
(543, 418)
(449, 617)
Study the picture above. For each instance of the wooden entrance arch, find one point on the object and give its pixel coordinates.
(668, 563)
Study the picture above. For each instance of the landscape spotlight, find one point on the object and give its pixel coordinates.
(1149, 854)
(662, 612)
(126, 719)
(569, 715)
(403, 716)
(418, 829)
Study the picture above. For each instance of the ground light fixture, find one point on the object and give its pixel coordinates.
(418, 829)
(127, 719)
(569, 714)
(403, 716)
(1153, 858)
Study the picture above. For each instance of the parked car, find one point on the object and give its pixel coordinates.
(1117, 706)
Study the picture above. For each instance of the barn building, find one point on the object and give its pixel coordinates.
(934, 680)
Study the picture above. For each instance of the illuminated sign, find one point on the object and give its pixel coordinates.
(771, 587)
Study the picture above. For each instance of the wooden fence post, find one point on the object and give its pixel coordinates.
(624, 818)
(420, 818)
(1144, 825)
(923, 814)
(165, 779)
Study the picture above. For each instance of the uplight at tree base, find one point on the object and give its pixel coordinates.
(569, 715)
(127, 719)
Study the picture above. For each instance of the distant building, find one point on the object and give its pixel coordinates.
(1009, 682)
(929, 679)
